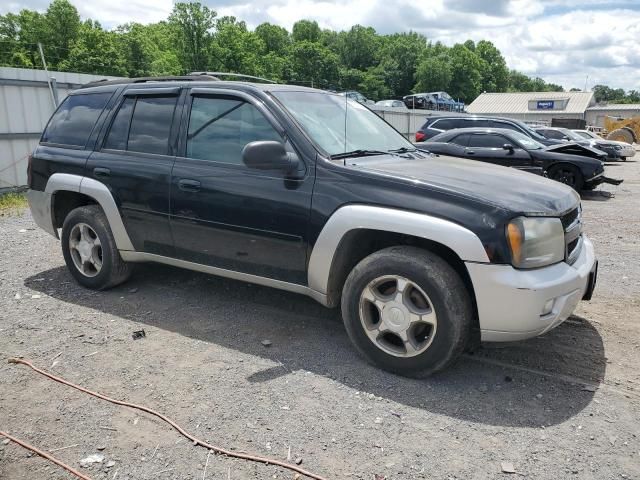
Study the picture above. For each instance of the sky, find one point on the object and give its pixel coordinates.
(569, 42)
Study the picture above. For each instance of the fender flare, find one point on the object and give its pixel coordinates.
(101, 194)
(462, 241)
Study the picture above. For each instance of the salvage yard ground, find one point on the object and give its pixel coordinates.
(565, 405)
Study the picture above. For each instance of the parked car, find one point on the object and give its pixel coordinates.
(433, 101)
(392, 104)
(358, 97)
(263, 183)
(514, 149)
(626, 150)
(438, 124)
(611, 150)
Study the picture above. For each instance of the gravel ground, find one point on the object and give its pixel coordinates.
(565, 405)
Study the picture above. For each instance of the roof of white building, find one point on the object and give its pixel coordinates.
(498, 103)
(616, 106)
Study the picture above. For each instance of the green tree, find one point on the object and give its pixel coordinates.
(313, 64)
(466, 79)
(61, 29)
(235, 49)
(358, 47)
(493, 68)
(400, 55)
(306, 31)
(192, 24)
(433, 74)
(276, 39)
(96, 51)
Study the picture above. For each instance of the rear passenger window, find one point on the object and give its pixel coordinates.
(219, 128)
(143, 124)
(487, 141)
(444, 124)
(462, 140)
(508, 126)
(74, 120)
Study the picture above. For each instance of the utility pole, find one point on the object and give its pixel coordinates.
(44, 64)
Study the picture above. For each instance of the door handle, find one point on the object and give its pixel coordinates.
(471, 152)
(187, 185)
(102, 172)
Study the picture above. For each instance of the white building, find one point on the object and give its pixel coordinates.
(542, 107)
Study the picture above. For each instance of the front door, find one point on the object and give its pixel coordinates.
(489, 147)
(226, 215)
(135, 160)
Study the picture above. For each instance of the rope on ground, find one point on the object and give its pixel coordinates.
(196, 441)
(45, 455)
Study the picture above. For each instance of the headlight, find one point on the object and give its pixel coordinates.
(535, 241)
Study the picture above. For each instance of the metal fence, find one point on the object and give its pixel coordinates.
(406, 122)
(27, 100)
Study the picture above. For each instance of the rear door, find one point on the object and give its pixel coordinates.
(489, 147)
(134, 159)
(226, 215)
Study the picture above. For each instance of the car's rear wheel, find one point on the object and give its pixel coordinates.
(90, 251)
(567, 174)
(407, 311)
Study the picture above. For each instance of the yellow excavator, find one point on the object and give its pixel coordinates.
(623, 129)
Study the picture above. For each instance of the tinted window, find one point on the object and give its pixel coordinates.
(498, 124)
(470, 123)
(219, 128)
(74, 120)
(462, 140)
(119, 132)
(488, 141)
(445, 124)
(554, 134)
(151, 124)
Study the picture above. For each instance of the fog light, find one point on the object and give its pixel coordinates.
(548, 307)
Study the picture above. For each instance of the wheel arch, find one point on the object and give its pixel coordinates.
(355, 231)
(71, 191)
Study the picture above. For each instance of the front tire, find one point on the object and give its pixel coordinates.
(90, 250)
(569, 175)
(407, 311)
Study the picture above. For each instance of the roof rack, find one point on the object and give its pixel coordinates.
(230, 74)
(168, 78)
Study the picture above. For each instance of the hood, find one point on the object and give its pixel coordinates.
(555, 155)
(572, 147)
(503, 187)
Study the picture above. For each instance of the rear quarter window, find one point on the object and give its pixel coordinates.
(74, 120)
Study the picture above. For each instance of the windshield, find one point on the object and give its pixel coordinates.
(322, 117)
(587, 134)
(526, 142)
(532, 133)
(572, 135)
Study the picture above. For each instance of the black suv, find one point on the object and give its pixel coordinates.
(273, 184)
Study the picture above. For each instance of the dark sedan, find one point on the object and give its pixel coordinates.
(611, 150)
(514, 149)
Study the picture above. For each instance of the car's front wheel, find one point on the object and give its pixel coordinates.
(569, 175)
(407, 311)
(90, 251)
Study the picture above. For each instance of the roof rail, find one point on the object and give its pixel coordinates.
(168, 78)
(230, 74)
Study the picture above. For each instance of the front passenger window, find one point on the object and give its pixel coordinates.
(219, 128)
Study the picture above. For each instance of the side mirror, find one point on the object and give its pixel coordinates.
(268, 155)
(508, 146)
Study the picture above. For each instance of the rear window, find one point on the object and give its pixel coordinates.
(147, 131)
(74, 120)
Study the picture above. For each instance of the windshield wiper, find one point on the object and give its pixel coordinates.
(357, 153)
(403, 150)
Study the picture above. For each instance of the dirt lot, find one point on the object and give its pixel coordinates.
(566, 405)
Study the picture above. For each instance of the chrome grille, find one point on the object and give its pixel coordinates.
(572, 223)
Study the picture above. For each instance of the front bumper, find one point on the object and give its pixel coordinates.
(511, 302)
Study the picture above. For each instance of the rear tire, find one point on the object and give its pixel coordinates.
(569, 175)
(90, 251)
(407, 311)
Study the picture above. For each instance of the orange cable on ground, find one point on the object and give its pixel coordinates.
(45, 455)
(196, 441)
